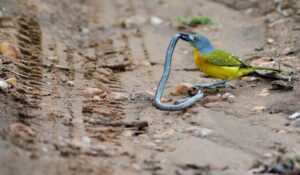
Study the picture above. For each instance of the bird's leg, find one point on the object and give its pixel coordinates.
(212, 85)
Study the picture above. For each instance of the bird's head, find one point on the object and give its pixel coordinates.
(198, 41)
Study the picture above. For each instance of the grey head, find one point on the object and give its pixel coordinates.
(198, 41)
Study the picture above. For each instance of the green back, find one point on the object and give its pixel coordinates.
(222, 58)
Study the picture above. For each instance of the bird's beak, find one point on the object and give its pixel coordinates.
(185, 37)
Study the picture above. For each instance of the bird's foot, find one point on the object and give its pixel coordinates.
(212, 85)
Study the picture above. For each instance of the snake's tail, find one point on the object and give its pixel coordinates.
(266, 68)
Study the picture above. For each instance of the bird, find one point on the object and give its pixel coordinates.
(218, 63)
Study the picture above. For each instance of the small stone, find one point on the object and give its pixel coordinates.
(9, 50)
(270, 40)
(211, 99)
(282, 131)
(86, 140)
(164, 135)
(187, 115)
(127, 133)
(155, 21)
(258, 109)
(150, 145)
(248, 11)
(96, 98)
(3, 84)
(249, 79)
(135, 167)
(182, 89)
(228, 97)
(259, 49)
(11, 81)
(145, 63)
(143, 136)
(294, 116)
(118, 96)
(53, 58)
(85, 30)
(44, 149)
(70, 83)
(76, 143)
(203, 132)
(134, 21)
(93, 91)
(167, 121)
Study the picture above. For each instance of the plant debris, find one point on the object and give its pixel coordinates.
(194, 21)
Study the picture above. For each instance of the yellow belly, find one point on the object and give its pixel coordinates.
(220, 72)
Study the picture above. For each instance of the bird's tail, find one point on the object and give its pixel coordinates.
(266, 68)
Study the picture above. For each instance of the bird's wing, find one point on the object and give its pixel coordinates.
(222, 58)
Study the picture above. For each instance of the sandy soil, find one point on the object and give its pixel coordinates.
(82, 103)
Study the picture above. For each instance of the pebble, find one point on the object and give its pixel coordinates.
(182, 89)
(165, 134)
(282, 131)
(11, 81)
(248, 11)
(70, 83)
(134, 21)
(118, 96)
(202, 132)
(211, 99)
(94, 91)
(135, 167)
(44, 149)
(294, 116)
(127, 133)
(53, 58)
(227, 97)
(150, 145)
(86, 140)
(259, 49)
(9, 50)
(96, 98)
(144, 64)
(187, 115)
(165, 100)
(258, 108)
(249, 79)
(3, 85)
(270, 40)
(155, 20)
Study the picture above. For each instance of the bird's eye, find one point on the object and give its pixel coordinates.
(196, 39)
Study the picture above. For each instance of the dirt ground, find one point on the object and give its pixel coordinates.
(86, 71)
